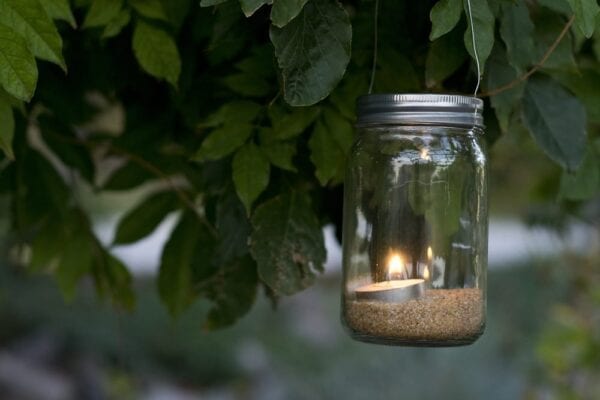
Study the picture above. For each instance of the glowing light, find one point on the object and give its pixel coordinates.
(425, 154)
(426, 273)
(395, 266)
(429, 254)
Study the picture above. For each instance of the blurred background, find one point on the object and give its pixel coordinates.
(542, 339)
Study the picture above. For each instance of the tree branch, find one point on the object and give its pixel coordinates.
(160, 174)
(533, 70)
(148, 166)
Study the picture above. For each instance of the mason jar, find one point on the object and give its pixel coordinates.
(415, 221)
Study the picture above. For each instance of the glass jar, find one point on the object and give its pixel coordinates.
(415, 221)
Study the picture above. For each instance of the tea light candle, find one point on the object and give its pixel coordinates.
(395, 289)
(392, 291)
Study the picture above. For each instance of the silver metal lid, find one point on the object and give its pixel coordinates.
(420, 109)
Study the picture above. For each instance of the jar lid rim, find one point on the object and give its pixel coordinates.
(419, 108)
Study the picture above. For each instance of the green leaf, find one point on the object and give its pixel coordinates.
(596, 38)
(250, 174)
(116, 25)
(445, 56)
(177, 11)
(129, 176)
(29, 19)
(559, 6)
(260, 64)
(289, 125)
(578, 39)
(156, 52)
(557, 120)
(395, 73)
(340, 128)
(185, 255)
(233, 291)
(283, 11)
(499, 74)
(249, 7)
(547, 28)
(12, 101)
(144, 218)
(208, 3)
(287, 243)
(325, 154)
(516, 30)
(344, 96)
(229, 34)
(247, 85)
(236, 112)
(281, 154)
(75, 261)
(18, 71)
(329, 145)
(256, 74)
(121, 283)
(444, 16)
(102, 12)
(233, 227)
(7, 128)
(584, 183)
(59, 10)
(41, 191)
(44, 252)
(152, 9)
(483, 26)
(584, 83)
(63, 142)
(224, 141)
(112, 276)
(175, 275)
(313, 51)
(585, 15)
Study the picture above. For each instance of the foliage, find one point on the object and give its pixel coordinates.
(570, 346)
(244, 111)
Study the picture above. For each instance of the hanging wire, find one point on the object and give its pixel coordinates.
(474, 49)
(375, 45)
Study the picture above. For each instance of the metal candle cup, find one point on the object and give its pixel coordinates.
(394, 291)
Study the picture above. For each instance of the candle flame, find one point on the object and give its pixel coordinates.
(426, 273)
(395, 265)
(429, 253)
(425, 154)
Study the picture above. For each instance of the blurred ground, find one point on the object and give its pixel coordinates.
(87, 351)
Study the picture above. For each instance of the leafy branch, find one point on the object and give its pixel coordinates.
(534, 69)
(263, 94)
(167, 179)
(148, 166)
